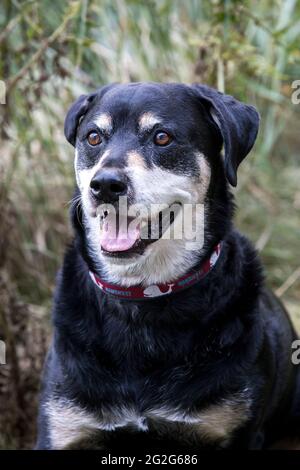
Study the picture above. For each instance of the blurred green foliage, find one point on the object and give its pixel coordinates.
(52, 51)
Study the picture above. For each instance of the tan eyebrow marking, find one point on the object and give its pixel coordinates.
(135, 159)
(147, 121)
(104, 122)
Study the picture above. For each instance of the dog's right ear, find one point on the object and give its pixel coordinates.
(75, 113)
(79, 109)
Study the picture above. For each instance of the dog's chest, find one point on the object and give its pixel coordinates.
(214, 424)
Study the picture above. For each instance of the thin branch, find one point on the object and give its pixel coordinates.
(288, 283)
(9, 27)
(264, 238)
(46, 43)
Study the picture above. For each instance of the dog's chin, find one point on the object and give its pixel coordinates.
(162, 261)
(146, 262)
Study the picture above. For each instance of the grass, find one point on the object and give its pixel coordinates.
(50, 52)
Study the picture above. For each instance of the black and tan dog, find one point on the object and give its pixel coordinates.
(164, 343)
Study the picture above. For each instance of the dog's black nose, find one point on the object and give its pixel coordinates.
(108, 185)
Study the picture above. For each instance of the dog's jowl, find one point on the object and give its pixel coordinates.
(164, 332)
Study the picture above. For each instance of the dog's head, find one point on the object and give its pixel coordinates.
(146, 153)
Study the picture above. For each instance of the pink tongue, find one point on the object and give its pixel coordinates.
(122, 239)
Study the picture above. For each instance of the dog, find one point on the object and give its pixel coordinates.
(164, 342)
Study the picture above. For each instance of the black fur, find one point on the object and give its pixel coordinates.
(188, 350)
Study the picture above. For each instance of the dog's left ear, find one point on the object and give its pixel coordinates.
(237, 122)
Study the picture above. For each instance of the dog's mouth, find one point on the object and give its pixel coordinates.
(123, 236)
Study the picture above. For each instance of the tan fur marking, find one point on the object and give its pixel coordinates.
(69, 424)
(205, 175)
(214, 424)
(135, 159)
(104, 121)
(218, 422)
(147, 121)
(73, 427)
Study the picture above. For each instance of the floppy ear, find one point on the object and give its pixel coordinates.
(75, 113)
(237, 122)
(79, 109)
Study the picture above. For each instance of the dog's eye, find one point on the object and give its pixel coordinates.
(94, 138)
(162, 138)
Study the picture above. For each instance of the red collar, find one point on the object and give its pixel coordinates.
(157, 290)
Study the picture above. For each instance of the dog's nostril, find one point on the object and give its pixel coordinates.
(95, 186)
(118, 187)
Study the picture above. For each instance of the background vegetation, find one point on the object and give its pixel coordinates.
(52, 51)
